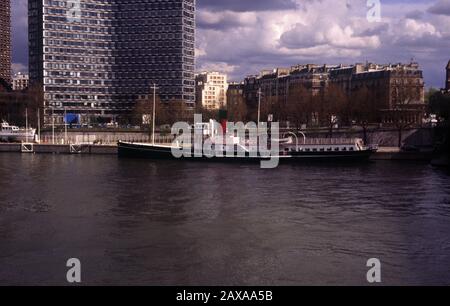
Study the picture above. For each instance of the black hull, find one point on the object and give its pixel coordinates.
(141, 151)
(128, 150)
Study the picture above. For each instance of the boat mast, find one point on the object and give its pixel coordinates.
(154, 113)
(259, 110)
(259, 118)
(53, 126)
(65, 126)
(26, 124)
(39, 124)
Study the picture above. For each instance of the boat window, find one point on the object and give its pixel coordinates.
(352, 149)
(336, 149)
(330, 149)
(344, 149)
(308, 150)
(314, 150)
(322, 150)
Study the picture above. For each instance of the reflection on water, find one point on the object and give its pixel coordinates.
(177, 223)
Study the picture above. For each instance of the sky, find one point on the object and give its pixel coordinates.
(243, 37)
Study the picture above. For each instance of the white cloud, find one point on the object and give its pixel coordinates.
(252, 35)
(332, 35)
(441, 7)
(18, 67)
(225, 19)
(218, 66)
(321, 31)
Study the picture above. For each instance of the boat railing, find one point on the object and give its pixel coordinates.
(169, 139)
(330, 141)
(297, 142)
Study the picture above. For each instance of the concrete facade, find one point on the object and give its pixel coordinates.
(5, 40)
(20, 81)
(97, 58)
(211, 90)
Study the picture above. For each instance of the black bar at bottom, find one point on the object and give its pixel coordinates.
(222, 295)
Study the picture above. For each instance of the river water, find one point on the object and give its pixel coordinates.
(138, 222)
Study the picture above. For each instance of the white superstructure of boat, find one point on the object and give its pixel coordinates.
(13, 133)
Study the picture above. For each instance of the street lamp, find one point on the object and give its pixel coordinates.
(154, 113)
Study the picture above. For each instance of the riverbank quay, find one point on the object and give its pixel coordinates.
(384, 153)
(383, 137)
(58, 149)
(394, 153)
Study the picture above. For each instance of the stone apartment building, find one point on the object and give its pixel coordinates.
(20, 81)
(313, 77)
(392, 85)
(236, 106)
(235, 93)
(211, 90)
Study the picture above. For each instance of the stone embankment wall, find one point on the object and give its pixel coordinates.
(384, 137)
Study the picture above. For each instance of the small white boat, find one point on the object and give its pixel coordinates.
(332, 149)
(13, 133)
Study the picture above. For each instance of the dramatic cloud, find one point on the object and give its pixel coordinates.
(332, 35)
(324, 31)
(442, 7)
(247, 5)
(224, 20)
(415, 15)
(241, 37)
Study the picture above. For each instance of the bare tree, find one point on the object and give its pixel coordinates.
(401, 118)
(207, 114)
(363, 108)
(237, 109)
(299, 106)
(143, 111)
(35, 95)
(405, 113)
(268, 106)
(332, 106)
(178, 110)
(439, 104)
(14, 105)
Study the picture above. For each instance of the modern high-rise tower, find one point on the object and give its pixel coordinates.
(96, 58)
(5, 40)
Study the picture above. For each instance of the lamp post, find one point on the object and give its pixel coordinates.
(154, 113)
(53, 126)
(65, 126)
(259, 110)
(39, 123)
(26, 125)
